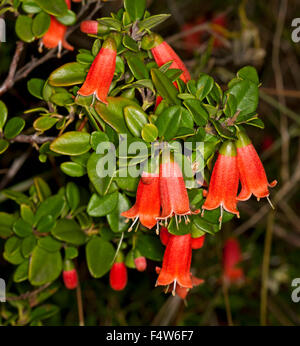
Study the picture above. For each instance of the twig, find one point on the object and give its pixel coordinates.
(80, 305)
(9, 81)
(265, 270)
(14, 168)
(32, 139)
(30, 294)
(279, 86)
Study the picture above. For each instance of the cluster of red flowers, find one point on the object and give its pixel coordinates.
(237, 161)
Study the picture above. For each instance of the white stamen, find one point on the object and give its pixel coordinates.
(174, 288)
(271, 204)
(134, 222)
(221, 217)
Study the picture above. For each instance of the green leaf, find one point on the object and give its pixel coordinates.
(151, 22)
(45, 224)
(137, 66)
(48, 243)
(6, 223)
(44, 266)
(23, 28)
(43, 312)
(27, 246)
(222, 131)
(29, 6)
(68, 230)
(12, 251)
(71, 252)
(130, 44)
(22, 228)
(168, 122)
(68, 19)
(98, 137)
(21, 273)
(4, 144)
(257, 123)
(72, 143)
(204, 86)
(135, 8)
(165, 87)
(126, 182)
(44, 123)
(230, 106)
(246, 94)
(42, 188)
(73, 169)
(62, 99)
(102, 205)
(95, 170)
(150, 247)
(27, 214)
(112, 113)
(204, 225)
(72, 195)
(54, 7)
(40, 24)
(115, 220)
(149, 133)
(13, 127)
(111, 23)
(135, 119)
(35, 86)
(248, 73)
(99, 256)
(17, 196)
(3, 114)
(69, 74)
(198, 112)
(178, 229)
(51, 206)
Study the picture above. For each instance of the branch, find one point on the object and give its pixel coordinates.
(29, 295)
(33, 139)
(9, 81)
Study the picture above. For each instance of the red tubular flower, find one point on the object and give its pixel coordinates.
(70, 276)
(224, 181)
(173, 194)
(55, 36)
(101, 72)
(89, 27)
(252, 174)
(163, 53)
(231, 258)
(177, 261)
(140, 263)
(147, 205)
(118, 276)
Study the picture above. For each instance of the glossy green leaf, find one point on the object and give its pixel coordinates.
(71, 252)
(29, 6)
(151, 22)
(69, 231)
(13, 127)
(6, 223)
(99, 256)
(40, 24)
(222, 131)
(12, 251)
(149, 133)
(68, 19)
(113, 112)
(42, 188)
(150, 247)
(44, 123)
(230, 105)
(24, 28)
(168, 122)
(22, 228)
(198, 112)
(73, 169)
(130, 44)
(69, 74)
(27, 214)
(51, 206)
(44, 266)
(204, 86)
(178, 229)
(115, 220)
(204, 225)
(45, 224)
(35, 86)
(102, 205)
(62, 99)
(165, 87)
(98, 137)
(50, 244)
(72, 195)
(71, 143)
(3, 114)
(135, 119)
(248, 73)
(135, 8)
(4, 144)
(137, 66)
(21, 273)
(111, 23)
(27, 246)
(54, 7)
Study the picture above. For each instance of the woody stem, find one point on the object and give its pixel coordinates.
(265, 269)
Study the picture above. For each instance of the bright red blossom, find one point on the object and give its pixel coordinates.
(101, 72)
(140, 263)
(231, 258)
(252, 174)
(147, 205)
(224, 181)
(174, 197)
(89, 27)
(118, 276)
(55, 36)
(70, 278)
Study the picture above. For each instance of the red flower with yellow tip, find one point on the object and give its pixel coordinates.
(252, 173)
